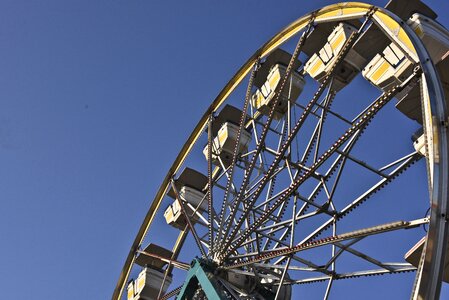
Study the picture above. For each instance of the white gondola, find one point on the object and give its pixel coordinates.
(389, 68)
(148, 284)
(434, 36)
(320, 63)
(223, 144)
(195, 201)
(189, 187)
(392, 66)
(150, 279)
(263, 98)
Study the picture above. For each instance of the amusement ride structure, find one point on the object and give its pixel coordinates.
(308, 169)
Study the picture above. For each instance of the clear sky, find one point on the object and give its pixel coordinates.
(97, 97)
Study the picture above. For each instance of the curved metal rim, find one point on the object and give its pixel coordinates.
(430, 272)
(438, 228)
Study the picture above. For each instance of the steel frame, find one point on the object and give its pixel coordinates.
(429, 273)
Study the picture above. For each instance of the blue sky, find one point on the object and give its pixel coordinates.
(97, 98)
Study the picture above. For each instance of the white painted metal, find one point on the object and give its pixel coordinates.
(147, 285)
(321, 62)
(263, 98)
(434, 36)
(196, 204)
(223, 144)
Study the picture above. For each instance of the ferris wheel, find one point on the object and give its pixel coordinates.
(306, 173)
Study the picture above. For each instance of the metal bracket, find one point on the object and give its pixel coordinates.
(201, 275)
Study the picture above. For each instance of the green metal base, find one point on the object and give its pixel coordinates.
(202, 274)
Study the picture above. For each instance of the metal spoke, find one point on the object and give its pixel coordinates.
(336, 254)
(210, 186)
(309, 201)
(327, 103)
(366, 195)
(333, 239)
(175, 263)
(364, 119)
(281, 281)
(237, 142)
(171, 294)
(363, 256)
(248, 172)
(348, 44)
(352, 275)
